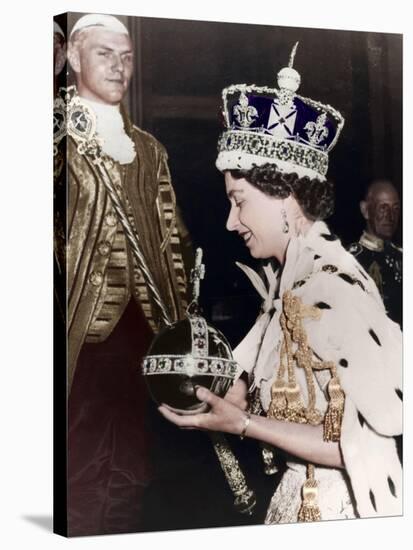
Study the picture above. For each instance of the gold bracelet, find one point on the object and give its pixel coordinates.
(247, 420)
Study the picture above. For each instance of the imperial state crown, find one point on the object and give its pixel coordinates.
(270, 125)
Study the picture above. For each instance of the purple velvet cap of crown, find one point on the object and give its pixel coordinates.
(269, 125)
(294, 122)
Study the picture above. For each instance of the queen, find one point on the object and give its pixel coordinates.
(319, 374)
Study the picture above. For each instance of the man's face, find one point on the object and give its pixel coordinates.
(103, 63)
(383, 211)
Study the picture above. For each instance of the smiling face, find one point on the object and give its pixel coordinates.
(103, 63)
(381, 209)
(257, 218)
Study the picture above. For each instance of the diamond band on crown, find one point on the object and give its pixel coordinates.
(265, 147)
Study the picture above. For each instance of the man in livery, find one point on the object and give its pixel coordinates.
(111, 313)
(376, 252)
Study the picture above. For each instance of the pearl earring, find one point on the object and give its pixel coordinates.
(286, 226)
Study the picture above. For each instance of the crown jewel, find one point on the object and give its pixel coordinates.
(187, 353)
(278, 126)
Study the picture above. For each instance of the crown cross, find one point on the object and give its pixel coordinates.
(244, 113)
(286, 121)
(317, 131)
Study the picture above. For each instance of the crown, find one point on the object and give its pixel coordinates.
(270, 125)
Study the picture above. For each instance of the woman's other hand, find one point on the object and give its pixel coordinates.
(223, 416)
(237, 394)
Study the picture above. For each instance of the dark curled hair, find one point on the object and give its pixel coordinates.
(315, 197)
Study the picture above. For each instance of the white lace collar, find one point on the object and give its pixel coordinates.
(110, 128)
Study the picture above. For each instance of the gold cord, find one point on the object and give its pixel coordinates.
(286, 399)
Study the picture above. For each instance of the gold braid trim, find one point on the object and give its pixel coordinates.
(309, 510)
(286, 400)
(166, 203)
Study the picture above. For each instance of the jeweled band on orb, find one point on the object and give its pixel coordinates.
(189, 365)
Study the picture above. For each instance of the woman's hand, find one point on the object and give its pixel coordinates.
(302, 440)
(237, 394)
(222, 417)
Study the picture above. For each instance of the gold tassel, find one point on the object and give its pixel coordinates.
(295, 407)
(278, 403)
(309, 510)
(335, 411)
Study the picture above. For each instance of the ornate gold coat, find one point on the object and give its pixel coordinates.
(91, 229)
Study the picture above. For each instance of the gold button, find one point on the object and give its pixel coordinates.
(104, 248)
(96, 278)
(111, 219)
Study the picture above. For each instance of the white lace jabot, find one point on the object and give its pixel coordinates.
(116, 143)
